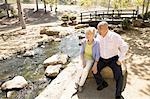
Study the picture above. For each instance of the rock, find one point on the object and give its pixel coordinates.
(17, 82)
(49, 32)
(119, 30)
(81, 26)
(137, 23)
(81, 37)
(63, 34)
(30, 53)
(59, 58)
(61, 85)
(53, 71)
(57, 40)
(1, 58)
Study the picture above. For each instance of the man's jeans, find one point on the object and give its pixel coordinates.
(117, 71)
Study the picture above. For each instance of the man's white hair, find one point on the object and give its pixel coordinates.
(90, 30)
(102, 24)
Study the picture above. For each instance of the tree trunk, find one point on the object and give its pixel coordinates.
(22, 22)
(108, 6)
(44, 5)
(37, 7)
(7, 8)
(147, 6)
(143, 6)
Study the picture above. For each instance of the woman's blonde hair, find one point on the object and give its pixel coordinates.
(90, 30)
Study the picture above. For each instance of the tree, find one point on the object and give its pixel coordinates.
(108, 6)
(51, 3)
(147, 6)
(7, 8)
(143, 6)
(37, 7)
(22, 22)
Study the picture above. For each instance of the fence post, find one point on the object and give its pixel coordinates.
(95, 15)
(81, 17)
(103, 15)
(112, 15)
(133, 13)
(90, 17)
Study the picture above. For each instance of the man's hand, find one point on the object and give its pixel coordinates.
(119, 62)
(94, 68)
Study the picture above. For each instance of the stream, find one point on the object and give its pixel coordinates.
(31, 68)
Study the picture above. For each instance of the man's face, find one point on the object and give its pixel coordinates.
(103, 29)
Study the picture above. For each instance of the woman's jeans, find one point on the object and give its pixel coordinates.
(82, 73)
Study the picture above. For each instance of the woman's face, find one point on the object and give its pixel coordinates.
(89, 36)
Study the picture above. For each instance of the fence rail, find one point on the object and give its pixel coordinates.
(104, 15)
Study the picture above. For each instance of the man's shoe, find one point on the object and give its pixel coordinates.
(119, 97)
(104, 85)
(80, 88)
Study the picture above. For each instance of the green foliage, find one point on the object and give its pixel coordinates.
(86, 2)
(121, 4)
(14, 12)
(139, 2)
(72, 17)
(146, 15)
(51, 1)
(126, 24)
(65, 17)
(26, 1)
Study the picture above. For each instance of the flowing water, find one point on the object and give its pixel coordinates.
(31, 68)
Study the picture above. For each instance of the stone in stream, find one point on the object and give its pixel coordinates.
(63, 34)
(81, 26)
(81, 37)
(49, 32)
(61, 85)
(30, 53)
(53, 71)
(59, 58)
(57, 40)
(17, 82)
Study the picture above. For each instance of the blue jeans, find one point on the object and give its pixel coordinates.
(117, 71)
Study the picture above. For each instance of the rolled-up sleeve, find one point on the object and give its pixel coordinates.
(123, 48)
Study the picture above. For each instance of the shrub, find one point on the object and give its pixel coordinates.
(65, 17)
(126, 24)
(146, 16)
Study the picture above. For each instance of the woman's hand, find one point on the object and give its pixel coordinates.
(83, 64)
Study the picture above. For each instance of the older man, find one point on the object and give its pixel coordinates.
(112, 50)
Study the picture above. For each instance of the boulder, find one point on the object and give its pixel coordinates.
(79, 26)
(81, 37)
(53, 71)
(30, 53)
(57, 40)
(62, 87)
(49, 32)
(59, 58)
(63, 34)
(137, 23)
(119, 30)
(17, 82)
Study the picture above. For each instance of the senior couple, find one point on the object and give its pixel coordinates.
(107, 49)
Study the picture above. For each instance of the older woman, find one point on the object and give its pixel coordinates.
(89, 56)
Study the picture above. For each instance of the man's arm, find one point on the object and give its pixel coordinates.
(123, 48)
